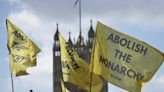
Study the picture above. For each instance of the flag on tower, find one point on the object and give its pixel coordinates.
(75, 3)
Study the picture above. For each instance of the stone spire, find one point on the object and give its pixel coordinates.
(56, 36)
(91, 31)
(69, 40)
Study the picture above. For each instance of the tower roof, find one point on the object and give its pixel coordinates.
(69, 40)
(80, 40)
(56, 36)
(91, 31)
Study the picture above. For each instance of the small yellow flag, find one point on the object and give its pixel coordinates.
(22, 50)
(123, 60)
(76, 70)
(64, 89)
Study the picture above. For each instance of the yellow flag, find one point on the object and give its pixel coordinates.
(22, 50)
(64, 89)
(76, 70)
(123, 60)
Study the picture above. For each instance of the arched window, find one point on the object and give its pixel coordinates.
(91, 40)
(57, 43)
(57, 53)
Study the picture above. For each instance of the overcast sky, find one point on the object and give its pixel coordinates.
(142, 19)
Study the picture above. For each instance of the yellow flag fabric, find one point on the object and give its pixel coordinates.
(64, 89)
(123, 60)
(76, 70)
(94, 88)
(22, 50)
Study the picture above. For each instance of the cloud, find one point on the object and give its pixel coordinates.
(156, 84)
(146, 13)
(13, 1)
(5, 84)
(40, 27)
(31, 23)
(160, 81)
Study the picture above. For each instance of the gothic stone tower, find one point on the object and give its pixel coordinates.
(57, 72)
(83, 48)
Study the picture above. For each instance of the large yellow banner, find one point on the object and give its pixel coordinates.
(123, 60)
(22, 50)
(76, 70)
